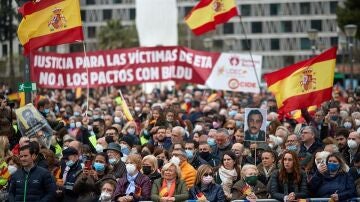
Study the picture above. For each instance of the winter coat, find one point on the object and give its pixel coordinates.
(278, 189)
(37, 185)
(213, 193)
(141, 181)
(188, 174)
(325, 185)
(181, 192)
(259, 190)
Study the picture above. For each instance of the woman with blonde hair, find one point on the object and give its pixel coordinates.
(170, 187)
(249, 187)
(205, 188)
(150, 167)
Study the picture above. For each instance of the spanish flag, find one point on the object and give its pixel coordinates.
(209, 13)
(303, 84)
(49, 23)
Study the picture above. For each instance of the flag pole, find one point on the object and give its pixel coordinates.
(88, 85)
(248, 46)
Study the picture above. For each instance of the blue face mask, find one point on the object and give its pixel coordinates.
(125, 151)
(99, 167)
(189, 154)
(46, 111)
(211, 141)
(239, 124)
(70, 163)
(232, 113)
(76, 113)
(112, 161)
(72, 125)
(332, 167)
(334, 118)
(292, 148)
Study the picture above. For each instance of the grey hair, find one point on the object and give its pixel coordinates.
(180, 129)
(312, 129)
(223, 131)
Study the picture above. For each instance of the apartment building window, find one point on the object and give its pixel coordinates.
(245, 10)
(228, 28)
(117, 1)
(76, 47)
(218, 44)
(83, 15)
(187, 9)
(91, 32)
(4, 50)
(304, 8)
(274, 9)
(286, 26)
(90, 2)
(107, 14)
(256, 27)
(305, 44)
(132, 14)
(246, 45)
(334, 41)
(316, 24)
(333, 6)
(289, 60)
(275, 44)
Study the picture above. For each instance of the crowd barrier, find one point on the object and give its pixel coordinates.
(308, 199)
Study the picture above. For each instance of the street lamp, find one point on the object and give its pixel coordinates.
(350, 31)
(208, 43)
(313, 34)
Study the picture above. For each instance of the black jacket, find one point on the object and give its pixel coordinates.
(278, 190)
(36, 185)
(71, 176)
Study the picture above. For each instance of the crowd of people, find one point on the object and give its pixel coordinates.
(183, 143)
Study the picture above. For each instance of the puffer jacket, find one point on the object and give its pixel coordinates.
(37, 185)
(213, 193)
(324, 185)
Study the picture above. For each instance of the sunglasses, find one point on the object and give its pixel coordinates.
(208, 174)
(229, 128)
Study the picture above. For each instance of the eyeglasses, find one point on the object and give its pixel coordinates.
(208, 174)
(110, 134)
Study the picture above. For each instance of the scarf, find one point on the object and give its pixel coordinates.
(131, 188)
(165, 191)
(227, 176)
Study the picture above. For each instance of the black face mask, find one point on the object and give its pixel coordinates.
(96, 130)
(160, 163)
(204, 155)
(146, 170)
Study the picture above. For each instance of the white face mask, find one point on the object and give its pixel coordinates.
(99, 148)
(352, 144)
(105, 196)
(117, 119)
(175, 160)
(78, 124)
(130, 169)
(12, 169)
(357, 122)
(231, 132)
